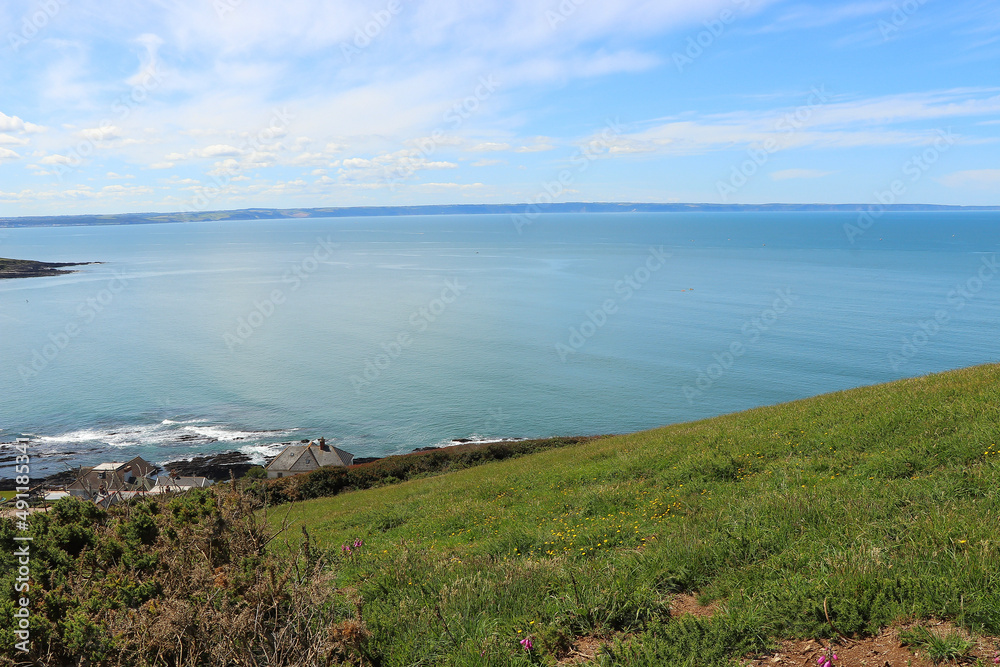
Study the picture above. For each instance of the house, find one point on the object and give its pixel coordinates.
(170, 484)
(108, 483)
(297, 459)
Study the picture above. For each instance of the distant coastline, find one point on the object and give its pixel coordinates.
(526, 209)
(29, 268)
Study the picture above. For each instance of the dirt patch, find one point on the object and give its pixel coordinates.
(882, 650)
(688, 604)
(582, 651)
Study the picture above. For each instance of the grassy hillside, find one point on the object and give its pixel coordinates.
(878, 504)
(833, 517)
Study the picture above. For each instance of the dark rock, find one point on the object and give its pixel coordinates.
(217, 467)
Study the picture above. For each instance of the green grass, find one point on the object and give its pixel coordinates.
(939, 648)
(881, 502)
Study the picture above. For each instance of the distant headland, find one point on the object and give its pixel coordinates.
(455, 209)
(29, 268)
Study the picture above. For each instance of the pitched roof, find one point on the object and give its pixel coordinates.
(112, 476)
(301, 458)
(197, 482)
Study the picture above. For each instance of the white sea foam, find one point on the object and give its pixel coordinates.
(223, 434)
(474, 439)
(166, 432)
(259, 454)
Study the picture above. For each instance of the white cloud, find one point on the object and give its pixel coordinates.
(15, 124)
(228, 167)
(162, 165)
(805, 16)
(488, 163)
(489, 146)
(389, 167)
(103, 133)
(150, 69)
(56, 159)
(217, 150)
(310, 159)
(8, 140)
(540, 144)
(112, 175)
(986, 179)
(8, 154)
(816, 124)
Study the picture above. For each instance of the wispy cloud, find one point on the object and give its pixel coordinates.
(984, 179)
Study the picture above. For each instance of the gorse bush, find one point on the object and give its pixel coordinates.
(188, 581)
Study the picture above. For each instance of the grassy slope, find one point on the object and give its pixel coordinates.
(883, 501)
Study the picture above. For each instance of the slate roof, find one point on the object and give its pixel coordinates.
(112, 477)
(303, 458)
(182, 482)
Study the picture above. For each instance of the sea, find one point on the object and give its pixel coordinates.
(387, 334)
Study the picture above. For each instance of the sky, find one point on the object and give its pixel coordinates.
(185, 105)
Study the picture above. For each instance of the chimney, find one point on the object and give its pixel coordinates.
(322, 445)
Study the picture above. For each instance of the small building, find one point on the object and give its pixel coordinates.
(109, 482)
(297, 459)
(170, 484)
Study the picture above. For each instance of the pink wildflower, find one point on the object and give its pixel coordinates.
(526, 643)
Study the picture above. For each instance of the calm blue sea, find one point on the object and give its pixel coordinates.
(386, 334)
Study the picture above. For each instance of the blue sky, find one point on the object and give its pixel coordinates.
(167, 105)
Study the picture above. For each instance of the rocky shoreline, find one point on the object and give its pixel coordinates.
(216, 467)
(29, 268)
